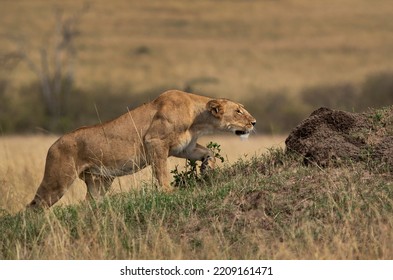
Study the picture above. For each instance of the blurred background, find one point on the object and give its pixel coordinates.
(64, 64)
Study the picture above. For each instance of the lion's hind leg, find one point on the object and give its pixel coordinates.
(97, 185)
(55, 183)
(61, 169)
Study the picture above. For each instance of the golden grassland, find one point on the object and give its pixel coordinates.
(230, 48)
(22, 162)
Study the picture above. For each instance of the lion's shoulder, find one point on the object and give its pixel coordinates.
(176, 104)
(176, 96)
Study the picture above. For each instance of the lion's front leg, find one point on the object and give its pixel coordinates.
(200, 153)
(160, 171)
(208, 163)
(208, 159)
(157, 154)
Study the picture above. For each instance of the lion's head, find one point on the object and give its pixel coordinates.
(231, 116)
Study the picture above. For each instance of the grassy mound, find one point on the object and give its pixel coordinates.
(270, 206)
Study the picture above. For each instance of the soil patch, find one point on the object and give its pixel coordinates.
(331, 136)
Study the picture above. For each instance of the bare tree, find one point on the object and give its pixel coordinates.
(56, 63)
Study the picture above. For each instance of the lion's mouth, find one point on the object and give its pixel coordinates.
(241, 132)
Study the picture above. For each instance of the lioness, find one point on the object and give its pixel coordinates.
(167, 126)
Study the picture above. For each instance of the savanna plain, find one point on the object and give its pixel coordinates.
(261, 202)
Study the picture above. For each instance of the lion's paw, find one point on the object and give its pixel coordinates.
(208, 163)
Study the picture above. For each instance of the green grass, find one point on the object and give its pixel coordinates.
(267, 207)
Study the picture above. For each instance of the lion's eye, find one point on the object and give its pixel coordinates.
(240, 112)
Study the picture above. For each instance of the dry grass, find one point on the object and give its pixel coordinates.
(247, 47)
(23, 160)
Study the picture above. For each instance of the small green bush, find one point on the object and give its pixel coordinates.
(189, 177)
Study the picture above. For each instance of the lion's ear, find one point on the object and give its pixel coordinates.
(215, 107)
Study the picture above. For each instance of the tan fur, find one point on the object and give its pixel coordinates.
(167, 126)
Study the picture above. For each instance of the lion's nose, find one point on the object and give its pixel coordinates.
(253, 123)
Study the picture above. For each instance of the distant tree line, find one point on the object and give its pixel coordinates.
(276, 112)
(279, 112)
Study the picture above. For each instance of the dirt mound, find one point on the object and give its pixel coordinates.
(331, 136)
